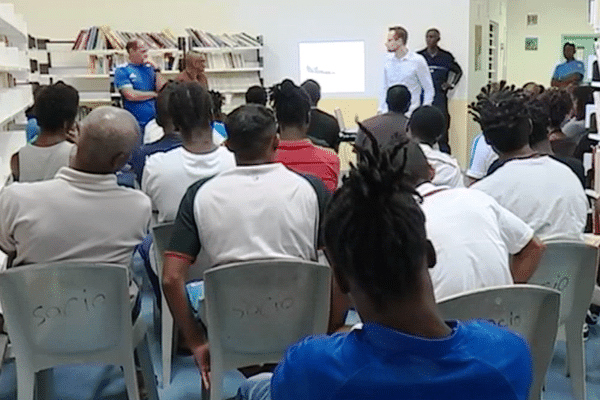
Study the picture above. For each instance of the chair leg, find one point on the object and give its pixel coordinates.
(44, 388)
(166, 337)
(576, 358)
(25, 382)
(131, 379)
(143, 353)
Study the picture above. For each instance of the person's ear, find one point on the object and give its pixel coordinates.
(276, 140)
(431, 173)
(227, 144)
(119, 160)
(430, 254)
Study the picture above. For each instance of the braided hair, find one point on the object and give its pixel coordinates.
(56, 106)
(500, 111)
(190, 107)
(374, 229)
(291, 104)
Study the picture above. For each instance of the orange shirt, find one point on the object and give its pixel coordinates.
(304, 157)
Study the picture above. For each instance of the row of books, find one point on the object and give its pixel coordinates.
(233, 83)
(224, 61)
(104, 65)
(205, 39)
(104, 38)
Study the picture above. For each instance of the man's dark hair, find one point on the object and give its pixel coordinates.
(313, 89)
(398, 99)
(436, 30)
(256, 95)
(374, 229)
(56, 105)
(558, 103)
(162, 103)
(190, 107)
(500, 111)
(540, 119)
(217, 100)
(250, 128)
(400, 33)
(133, 44)
(582, 95)
(291, 103)
(569, 44)
(427, 123)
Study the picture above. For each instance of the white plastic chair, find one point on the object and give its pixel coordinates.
(71, 313)
(570, 267)
(255, 310)
(529, 310)
(161, 237)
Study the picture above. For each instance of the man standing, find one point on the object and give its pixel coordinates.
(571, 71)
(407, 68)
(441, 63)
(139, 82)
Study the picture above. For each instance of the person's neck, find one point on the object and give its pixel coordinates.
(199, 141)
(242, 161)
(293, 133)
(523, 152)
(401, 52)
(543, 147)
(47, 139)
(417, 314)
(570, 59)
(433, 50)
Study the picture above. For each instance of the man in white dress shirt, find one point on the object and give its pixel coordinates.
(407, 68)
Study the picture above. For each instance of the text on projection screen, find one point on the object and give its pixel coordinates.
(338, 67)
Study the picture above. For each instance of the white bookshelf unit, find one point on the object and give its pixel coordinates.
(15, 92)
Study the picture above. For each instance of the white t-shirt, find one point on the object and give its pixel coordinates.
(167, 176)
(544, 193)
(482, 156)
(473, 237)
(447, 170)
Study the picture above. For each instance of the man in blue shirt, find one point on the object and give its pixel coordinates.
(139, 82)
(375, 238)
(441, 64)
(571, 71)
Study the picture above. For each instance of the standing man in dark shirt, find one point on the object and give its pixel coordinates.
(441, 63)
(323, 129)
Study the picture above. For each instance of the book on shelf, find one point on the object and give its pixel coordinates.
(200, 38)
(104, 38)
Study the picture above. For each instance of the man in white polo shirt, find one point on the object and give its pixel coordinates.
(258, 210)
(82, 214)
(405, 67)
(473, 236)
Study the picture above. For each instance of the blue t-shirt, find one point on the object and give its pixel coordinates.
(139, 77)
(477, 361)
(562, 71)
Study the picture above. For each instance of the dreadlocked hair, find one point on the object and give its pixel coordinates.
(373, 228)
(559, 103)
(500, 111)
(291, 103)
(190, 106)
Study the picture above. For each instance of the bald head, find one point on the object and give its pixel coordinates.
(106, 138)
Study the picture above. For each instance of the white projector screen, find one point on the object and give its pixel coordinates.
(339, 67)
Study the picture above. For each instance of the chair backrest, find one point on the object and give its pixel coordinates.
(569, 267)
(257, 309)
(161, 237)
(529, 310)
(67, 312)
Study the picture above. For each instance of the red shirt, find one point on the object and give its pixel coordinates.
(304, 157)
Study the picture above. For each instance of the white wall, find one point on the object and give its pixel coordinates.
(282, 23)
(556, 17)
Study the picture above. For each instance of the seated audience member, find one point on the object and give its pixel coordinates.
(55, 109)
(195, 63)
(389, 128)
(532, 89)
(295, 151)
(559, 104)
(541, 191)
(472, 234)
(167, 175)
(323, 129)
(427, 125)
(539, 114)
(257, 95)
(170, 138)
(257, 210)
(482, 158)
(574, 129)
(218, 117)
(375, 237)
(81, 215)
